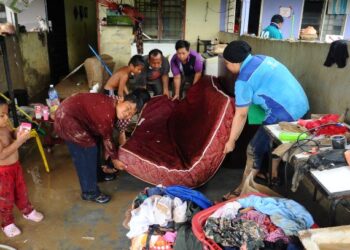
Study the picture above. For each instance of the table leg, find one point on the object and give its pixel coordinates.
(286, 178)
(315, 194)
(334, 204)
(270, 164)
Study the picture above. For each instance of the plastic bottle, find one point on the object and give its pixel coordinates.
(290, 136)
(53, 95)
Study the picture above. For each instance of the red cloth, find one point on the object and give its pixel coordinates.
(180, 142)
(13, 190)
(325, 130)
(86, 117)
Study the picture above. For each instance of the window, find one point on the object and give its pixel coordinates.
(232, 16)
(2, 14)
(333, 25)
(312, 14)
(164, 20)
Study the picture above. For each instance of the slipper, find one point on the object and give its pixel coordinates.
(34, 216)
(11, 230)
(231, 194)
(108, 170)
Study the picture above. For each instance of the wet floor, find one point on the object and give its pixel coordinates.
(73, 224)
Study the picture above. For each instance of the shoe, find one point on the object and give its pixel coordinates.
(275, 182)
(109, 177)
(11, 230)
(34, 216)
(232, 194)
(101, 198)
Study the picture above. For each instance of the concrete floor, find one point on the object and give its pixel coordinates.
(73, 224)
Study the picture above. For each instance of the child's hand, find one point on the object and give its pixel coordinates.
(23, 136)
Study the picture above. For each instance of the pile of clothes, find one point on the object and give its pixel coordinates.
(161, 218)
(256, 222)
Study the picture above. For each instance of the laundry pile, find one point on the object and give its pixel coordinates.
(161, 218)
(255, 222)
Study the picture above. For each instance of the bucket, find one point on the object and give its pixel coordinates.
(338, 141)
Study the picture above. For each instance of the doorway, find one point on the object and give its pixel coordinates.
(254, 17)
(57, 40)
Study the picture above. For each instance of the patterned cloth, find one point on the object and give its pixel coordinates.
(121, 125)
(227, 232)
(13, 190)
(272, 233)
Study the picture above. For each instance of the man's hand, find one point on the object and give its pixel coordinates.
(118, 164)
(229, 146)
(23, 136)
(175, 97)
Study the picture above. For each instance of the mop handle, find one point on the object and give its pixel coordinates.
(100, 59)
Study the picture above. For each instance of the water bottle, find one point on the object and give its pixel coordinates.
(53, 95)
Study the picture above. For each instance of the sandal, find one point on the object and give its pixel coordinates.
(231, 194)
(34, 216)
(11, 230)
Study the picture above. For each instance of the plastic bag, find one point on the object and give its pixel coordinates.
(250, 186)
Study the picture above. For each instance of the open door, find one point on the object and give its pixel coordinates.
(254, 17)
(57, 40)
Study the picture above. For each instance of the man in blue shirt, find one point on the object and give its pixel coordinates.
(265, 82)
(273, 31)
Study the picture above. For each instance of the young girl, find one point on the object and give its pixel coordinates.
(12, 186)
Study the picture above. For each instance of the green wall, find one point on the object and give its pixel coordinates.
(80, 32)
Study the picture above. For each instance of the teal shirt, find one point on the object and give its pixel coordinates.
(272, 31)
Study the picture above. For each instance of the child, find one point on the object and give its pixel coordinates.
(116, 85)
(12, 186)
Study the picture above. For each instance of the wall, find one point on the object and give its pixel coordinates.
(29, 16)
(80, 32)
(347, 28)
(15, 64)
(116, 42)
(328, 89)
(271, 7)
(36, 69)
(201, 22)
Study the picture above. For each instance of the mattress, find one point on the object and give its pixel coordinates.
(181, 142)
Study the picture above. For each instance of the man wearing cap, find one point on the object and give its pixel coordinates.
(273, 31)
(265, 82)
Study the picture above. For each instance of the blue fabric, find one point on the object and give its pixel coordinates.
(338, 7)
(85, 160)
(272, 31)
(188, 194)
(284, 213)
(155, 191)
(270, 85)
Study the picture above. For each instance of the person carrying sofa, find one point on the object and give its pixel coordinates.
(265, 82)
(155, 75)
(186, 66)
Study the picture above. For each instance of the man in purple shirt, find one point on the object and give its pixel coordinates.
(187, 66)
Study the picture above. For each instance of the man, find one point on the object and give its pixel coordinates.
(265, 82)
(187, 66)
(155, 74)
(273, 31)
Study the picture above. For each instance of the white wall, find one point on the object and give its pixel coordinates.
(29, 16)
(201, 21)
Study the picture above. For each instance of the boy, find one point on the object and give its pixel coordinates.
(12, 186)
(116, 85)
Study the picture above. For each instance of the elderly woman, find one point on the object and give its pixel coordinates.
(82, 121)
